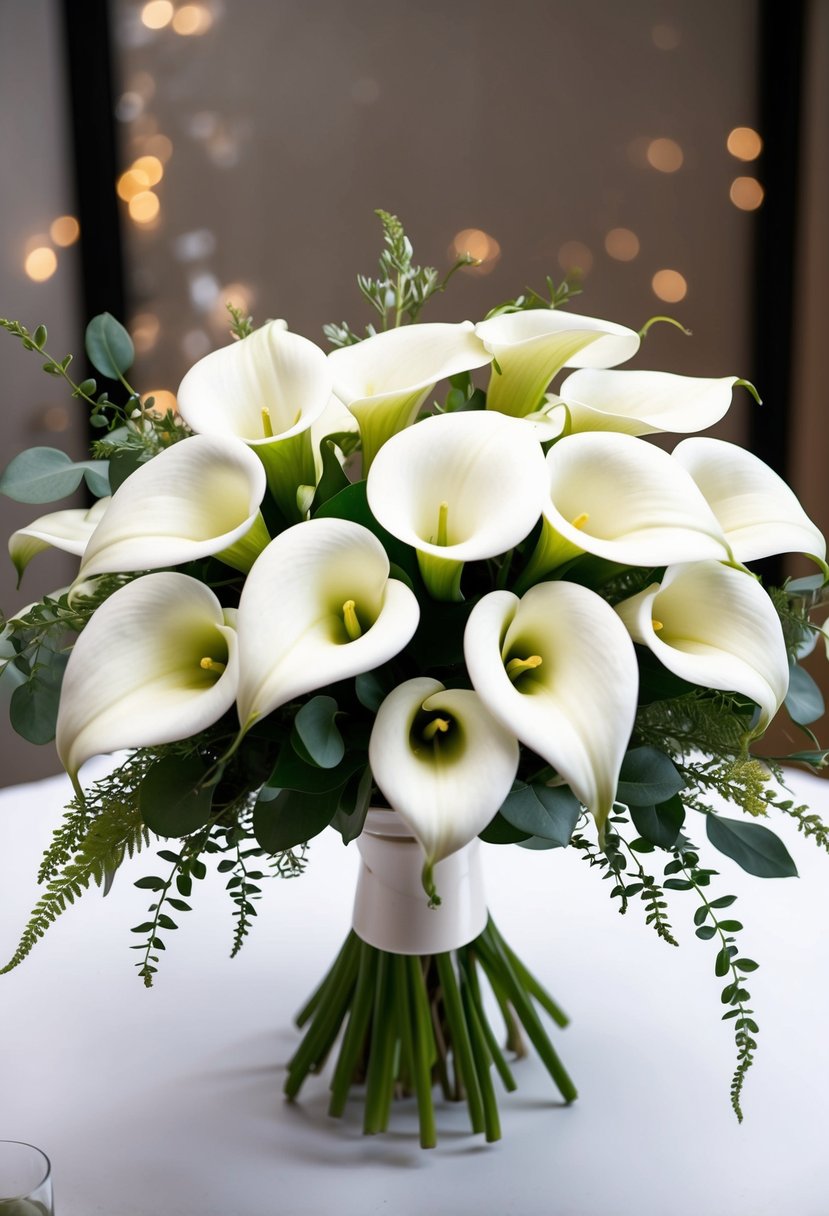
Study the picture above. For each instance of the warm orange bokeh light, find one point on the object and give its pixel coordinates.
(131, 183)
(144, 207)
(622, 244)
(478, 244)
(144, 330)
(665, 155)
(156, 14)
(746, 193)
(744, 143)
(192, 19)
(160, 146)
(41, 263)
(574, 255)
(65, 230)
(670, 286)
(150, 167)
(163, 400)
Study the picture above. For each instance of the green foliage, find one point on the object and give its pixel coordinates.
(176, 798)
(804, 700)
(647, 776)
(283, 819)
(753, 847)
(241, 324)
(109, 347)
(556, 297)
(47, 474)
(316, 737)
(401, 290)
(550, 813)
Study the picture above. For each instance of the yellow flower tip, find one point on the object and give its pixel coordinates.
(517, 667)
(267, 428)
(657, 625)
(438, 726)
(580, 520)
(351, 620)
(443, 522)
(208, 664)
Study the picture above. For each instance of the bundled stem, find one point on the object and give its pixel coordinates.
(412, 1022)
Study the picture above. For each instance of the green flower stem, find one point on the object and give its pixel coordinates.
(312, 1004)
(423, 1050)
(380, 1078)
(498, 1060)
(486, 944)
(482, 1059)
(464, 1060)
(355, 1032)
(531, 983)
(515, 1039)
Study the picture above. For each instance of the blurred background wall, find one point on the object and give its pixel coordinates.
(161, 158)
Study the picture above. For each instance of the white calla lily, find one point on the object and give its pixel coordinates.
(267, 389)
(622, 499)
(556, 669)
(644, 403)
(530, 347)
(759, 514)
(444, 764)
(318, 606)
(157, 662)
(458, 488)
(198, 498)
(386, 378)
(67, 530)
(714, 625)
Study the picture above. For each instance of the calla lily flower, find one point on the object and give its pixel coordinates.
(199, 497)
(386, 378)
(625, 500)
(67, 530)
(317, 607)
(267, 389)
(714, 625)
(157, 662)
(644, 403)
(458, 488)
(444, 764)
(759, 514)
(530, 347)
(555, 669)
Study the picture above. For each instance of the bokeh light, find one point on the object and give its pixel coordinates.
(744, 143)
(479, 245)
(575, 255)
(156, 14)
(622, 244)
(65, 230)
(746, 193)
(665, 155)
(41, 263)
(144, 207)
(670, 286)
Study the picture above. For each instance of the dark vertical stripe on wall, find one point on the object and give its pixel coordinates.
(781, 62)
(90, 76)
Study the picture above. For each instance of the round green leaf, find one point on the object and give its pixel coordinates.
(40, 475)
(292, 818)
(647, 777)
(804, 700)
(538, 810)
(109, 346)
(173, 799)
(499, 831)
(316, 726)
(753, 847)
(660, 824)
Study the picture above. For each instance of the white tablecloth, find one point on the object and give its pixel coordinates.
(169, 1100)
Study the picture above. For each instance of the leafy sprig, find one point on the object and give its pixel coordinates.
(530, 299)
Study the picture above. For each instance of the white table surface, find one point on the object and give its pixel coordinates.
(169, 1101)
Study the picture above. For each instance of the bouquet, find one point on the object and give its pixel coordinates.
(325, 592)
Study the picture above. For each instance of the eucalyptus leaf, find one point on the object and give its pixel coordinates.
(371, 691)
(647, 777)
(804, 700)
(173, 799)
(33, 707)
(109, 346)
(316, 726)
(355, 800)
(539, 810)
(756, 849)
(292, 773)
(47, 474)
(500, 831)
(660, 824)
(292, 818)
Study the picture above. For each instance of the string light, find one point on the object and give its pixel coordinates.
(744, 143)
(65, 230)
(41, 263)
(670, 286)
(144, 207)
(150, 167)
(622, 244)
(746, 193)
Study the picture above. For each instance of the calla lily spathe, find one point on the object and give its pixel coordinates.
(157, 662)
(443, 762)
(458, 488)
(529, 348)
(715, 626)
(317, 607)
(385, 379)
(622, 499)
(643, 402)
(757, 511)
(198, 498)
(267, 389)
(556, 669)
(67, 530)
